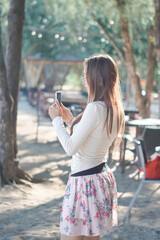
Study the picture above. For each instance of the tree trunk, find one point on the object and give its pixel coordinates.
(157, 36)
(157, 27)
(6, 133)
(13, 55)
(142, 103)
(130, 62)
(151, 69)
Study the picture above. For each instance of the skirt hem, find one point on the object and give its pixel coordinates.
(90, 205)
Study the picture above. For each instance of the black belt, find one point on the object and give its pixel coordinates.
(90, 171)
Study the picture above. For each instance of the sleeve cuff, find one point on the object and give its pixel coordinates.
(56, 120)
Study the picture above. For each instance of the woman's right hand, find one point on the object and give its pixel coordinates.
(66, 114)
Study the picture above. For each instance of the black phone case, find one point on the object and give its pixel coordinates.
(59, 97)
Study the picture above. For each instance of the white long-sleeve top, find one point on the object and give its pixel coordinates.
(89, 143)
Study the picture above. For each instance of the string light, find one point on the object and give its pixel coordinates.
(40, 35)
(33, 33)
(103, 39)
(56, 36)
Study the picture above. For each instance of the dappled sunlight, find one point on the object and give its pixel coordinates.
(44, 48)
(134, 174)
(40, 203)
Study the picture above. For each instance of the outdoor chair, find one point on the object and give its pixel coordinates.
(123, 147)
(151, 139)
(145, 148)
(145, 133)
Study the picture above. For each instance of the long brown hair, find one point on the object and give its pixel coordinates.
(102, 79)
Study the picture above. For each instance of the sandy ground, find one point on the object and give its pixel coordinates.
(31, 211)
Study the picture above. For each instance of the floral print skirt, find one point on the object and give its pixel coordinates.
(90, 205)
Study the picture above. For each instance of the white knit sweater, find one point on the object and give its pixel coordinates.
(89, 143)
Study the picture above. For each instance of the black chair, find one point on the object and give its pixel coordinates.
(145, 147)
(151, 139)
(149, 142)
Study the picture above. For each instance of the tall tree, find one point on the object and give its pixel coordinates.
(157, 27)
(135, 45)
(142, 102)
(13, 55)
(9, 86)
(157, 36)
(6, 133)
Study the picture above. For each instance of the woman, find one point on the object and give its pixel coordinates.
(90, 202)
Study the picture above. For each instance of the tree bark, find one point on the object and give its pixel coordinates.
(13, 55)
(157, 27)
(151, 69)
(6, 133)
(9, 86)
(157, 37)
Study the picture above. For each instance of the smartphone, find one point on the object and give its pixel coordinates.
(59, 97)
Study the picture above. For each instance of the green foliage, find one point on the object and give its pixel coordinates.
(73, 79)
(65, 28)
(53, 27)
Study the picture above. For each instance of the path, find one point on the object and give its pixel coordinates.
(31, 211)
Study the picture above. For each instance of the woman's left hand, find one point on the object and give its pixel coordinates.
(54, 110)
